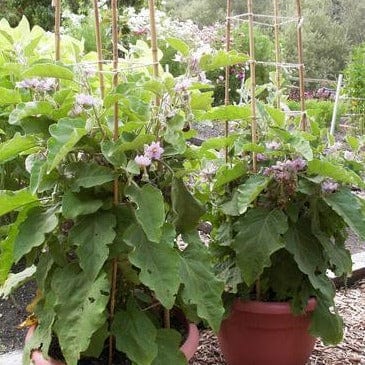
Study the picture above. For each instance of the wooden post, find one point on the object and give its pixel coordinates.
(57, 25)
(228, 69)
(253, 81)
(303, 122)
(99, 48)
(277, 52)
(115, 31)
(337, 98)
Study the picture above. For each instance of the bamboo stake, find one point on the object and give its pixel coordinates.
(99, 48)
(57, 25)
(154, 48)
(253, 81)
(115, 30)
(228, 69)
(277, 51)
(303, 121)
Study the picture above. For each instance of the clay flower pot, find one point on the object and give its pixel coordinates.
(188, 348)
(262, 333)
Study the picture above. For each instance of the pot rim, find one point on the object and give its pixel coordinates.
(259, 307)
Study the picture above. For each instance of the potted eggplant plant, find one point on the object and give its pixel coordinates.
(103, 220)
(278, 229)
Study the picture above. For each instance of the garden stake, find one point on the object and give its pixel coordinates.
(114, 6)
(303, 122)
(154, 49)
(253, 81)
(277, 51)
(57, 5)
(226, 81)
(99, 48)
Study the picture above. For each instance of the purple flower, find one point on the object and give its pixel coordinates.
(273, 145)
(182, 85)
(37, 84)
(142, 161)
(86, 100)
(329, 186)
(298, 164)
(153, 151)
(261, 157)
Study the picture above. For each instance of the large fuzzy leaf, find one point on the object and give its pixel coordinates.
(12, 200)
(9, 96)
(159, 264)
(334, 171)
(32, 232)
(87, 175)
(150, 212)
(7, 246)
(188, 210)
(168, 342)
(201, 287)
(30, 109)
(259, 236)
(74, 205)
(326, 324)
(92, 235)
(13, 147)
(15, 280)
(349, 207)
(226, 174)
(135, 335)
(49, 70)
(245, 195)
(227, 112)
(65, 134)
(210, 62)
(308, 254)
(80, 308)
(179, 46)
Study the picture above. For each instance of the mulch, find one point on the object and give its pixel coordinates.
(351, 305)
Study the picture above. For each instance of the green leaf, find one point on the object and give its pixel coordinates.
(326, 324)
(349, 207)
(159, 264)
(12, 200)
(201, 101)
(227, 174)
(90, 174)
(65, 135)
(353, 142)
(150, 212)
(16, 280)
(245, 195)
(49, 70)
(210, 62)
(135, 335)
(92, 235)
(188, 210)
(9, 96)
(137, 143)
(259, 236)
(334, 171)
(30, 109)
(218, 143)
(15, 146)
(179, 46)
(7, 246)
(301, 145)
(32, 232)
(74, 205)
(168, 342)
(308, 255)
(227, 112)
(110, 151)
(200, 285)
(80, 308)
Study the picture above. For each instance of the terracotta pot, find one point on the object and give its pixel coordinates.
(263, 333)
(189, 347)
